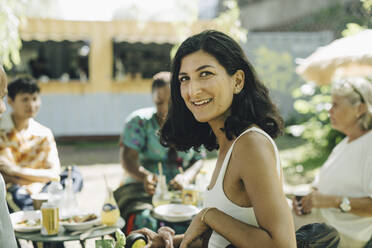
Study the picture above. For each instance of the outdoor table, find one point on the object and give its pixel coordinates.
(64, 235)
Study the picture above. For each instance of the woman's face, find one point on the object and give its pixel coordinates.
(206, 87)
(343, 115)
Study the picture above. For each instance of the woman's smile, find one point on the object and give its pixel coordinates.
(200, 103)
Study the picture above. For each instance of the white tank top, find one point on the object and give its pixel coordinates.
(216, 197)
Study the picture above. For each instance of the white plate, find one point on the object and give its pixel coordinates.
(175, 212)
(19, 216)
(73, 226)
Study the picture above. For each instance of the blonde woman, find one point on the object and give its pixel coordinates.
(343, 187)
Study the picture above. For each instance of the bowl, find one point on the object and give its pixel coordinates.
(175, 212)
(26, 221)
(79, 226)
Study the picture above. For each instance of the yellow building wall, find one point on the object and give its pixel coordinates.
(101, 36)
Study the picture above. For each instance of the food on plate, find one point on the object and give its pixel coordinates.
(80, 218)
(29, 223)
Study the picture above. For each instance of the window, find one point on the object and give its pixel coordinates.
(133, 60)
(54, 60)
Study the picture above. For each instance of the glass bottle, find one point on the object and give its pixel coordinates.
(161, 195)
(55, 191)
(201, 184)
(69, 207)
(110, 212)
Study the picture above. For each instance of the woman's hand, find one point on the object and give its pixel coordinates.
(314, 200)
(150, 184)
(154, 239)
(167, 234)
(196, 230)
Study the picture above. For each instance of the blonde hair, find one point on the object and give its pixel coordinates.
(357, 90)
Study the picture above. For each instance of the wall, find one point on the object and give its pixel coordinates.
(274, 12)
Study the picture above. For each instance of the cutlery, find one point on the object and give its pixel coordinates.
(86, 233)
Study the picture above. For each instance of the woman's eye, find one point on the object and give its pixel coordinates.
(183, 79)
(205, 73)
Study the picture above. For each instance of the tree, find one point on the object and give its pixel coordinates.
(353, 28)
(313, 125)
(11, 16)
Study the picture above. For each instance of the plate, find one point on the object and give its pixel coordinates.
(79, 226)
(20, 216)
(175, 212)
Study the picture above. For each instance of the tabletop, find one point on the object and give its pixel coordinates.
(64, 235)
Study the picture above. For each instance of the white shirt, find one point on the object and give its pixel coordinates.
(348, 172)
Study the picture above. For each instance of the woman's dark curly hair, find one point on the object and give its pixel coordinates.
(251, 106)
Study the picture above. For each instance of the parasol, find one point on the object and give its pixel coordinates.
(349, 56)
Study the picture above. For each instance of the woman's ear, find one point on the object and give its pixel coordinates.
(239, 77)
(361, 109)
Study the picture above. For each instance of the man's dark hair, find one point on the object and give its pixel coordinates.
(22, 85)
(251, 106)
(160, 79)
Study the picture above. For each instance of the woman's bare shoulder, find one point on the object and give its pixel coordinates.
(253, 149)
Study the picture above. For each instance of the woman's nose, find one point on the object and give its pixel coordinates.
(194, 88)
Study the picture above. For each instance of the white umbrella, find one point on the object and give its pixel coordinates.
(349, 56)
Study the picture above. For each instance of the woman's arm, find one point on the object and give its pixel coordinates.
(361, 206)
(14, 172)
(253, 160)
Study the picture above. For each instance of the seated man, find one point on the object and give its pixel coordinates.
(140, 153)
(28, 152)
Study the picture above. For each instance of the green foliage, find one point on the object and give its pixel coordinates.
(110, 243)
(228, 22)
(353, 28)
(313, 124)
(367, 4)
(276, 69)
(11, 12)
(120, 239)
(334, 18)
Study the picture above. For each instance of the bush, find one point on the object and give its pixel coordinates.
(312, 104)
